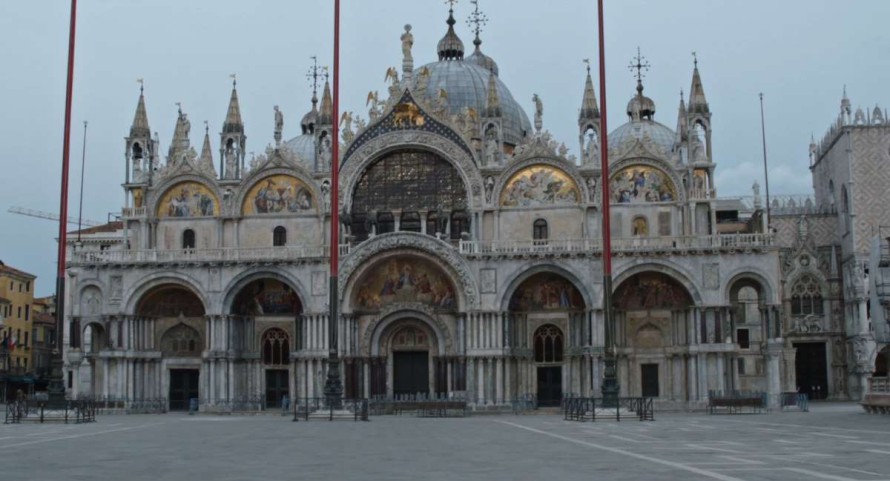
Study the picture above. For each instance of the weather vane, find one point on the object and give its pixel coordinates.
(477, 19)
(179, 107)
(640, 65)
(695, 58)
(451, 4)
(206, 127)
(312, 75)
(141, 83)
(587, 63)
(234, 80)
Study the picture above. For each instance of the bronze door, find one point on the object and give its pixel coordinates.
(277, 387)
(183, 387)
(649, 380)
(410, 372)
(812, 369)
(549, 385)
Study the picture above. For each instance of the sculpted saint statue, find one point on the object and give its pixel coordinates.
(407, 43)
(279, 124)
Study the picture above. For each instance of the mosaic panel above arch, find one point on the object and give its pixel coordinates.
(170, 301)
(402, 279)
(638, 184)
(540, 185)
(266, 297)
(279, 193)
(188, 199)
(651, 290)
(546, 291)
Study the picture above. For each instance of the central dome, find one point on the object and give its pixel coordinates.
(467, 86)
(634, 130)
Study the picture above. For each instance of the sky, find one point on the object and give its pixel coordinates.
(799, 53)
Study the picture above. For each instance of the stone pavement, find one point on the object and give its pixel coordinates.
(833, 442)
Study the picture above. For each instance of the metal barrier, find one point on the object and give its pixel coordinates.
(319, 408)
(590, 409)
(736, 402)
(29, 410)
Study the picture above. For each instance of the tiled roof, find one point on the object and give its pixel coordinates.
(5, 269)
(109, 227)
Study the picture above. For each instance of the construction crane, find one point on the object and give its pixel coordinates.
(51, 216)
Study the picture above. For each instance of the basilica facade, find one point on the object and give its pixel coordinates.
(471, 257)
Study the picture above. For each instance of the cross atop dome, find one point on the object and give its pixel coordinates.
(476, 21)
(640, 65)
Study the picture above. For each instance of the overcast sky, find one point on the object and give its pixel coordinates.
(799, 53)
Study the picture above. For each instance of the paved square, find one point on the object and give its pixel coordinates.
(834, 442)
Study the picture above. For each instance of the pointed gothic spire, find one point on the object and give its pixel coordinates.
(697, 102)
(327, 106)
(682, 133)
(493, 100)
(180, 144)
(233, 122)
(451, 47)
(590, 113)
(206, 153)
(140, 121)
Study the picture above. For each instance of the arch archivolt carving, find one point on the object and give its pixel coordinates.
(749, 273)
(246, 277)
(379, 147)
(375, 250)
(398, 315)
(802, 272)
(138, 291)
(531, 268)
(557, 163)
(670, 269)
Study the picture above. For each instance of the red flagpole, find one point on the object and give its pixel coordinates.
(63, 201)
(333, 389)
(610, 387)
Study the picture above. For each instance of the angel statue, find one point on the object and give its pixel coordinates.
(346, 123)
(373, 103)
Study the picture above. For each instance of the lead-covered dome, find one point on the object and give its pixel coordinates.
(467, 86)
(304, 146)
(634, 130)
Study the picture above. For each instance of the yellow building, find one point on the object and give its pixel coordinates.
(17, 288)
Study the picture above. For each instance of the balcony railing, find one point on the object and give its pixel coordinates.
(235, 255)
(725, 242)
(636, 244)
(134, 212)
(879, 385)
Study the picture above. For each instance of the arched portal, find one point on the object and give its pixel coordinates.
(651, 314)
(175, 316)
(412, 365)
(547, 316)
(275, 348)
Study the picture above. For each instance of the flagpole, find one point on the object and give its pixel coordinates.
(57, 386)
(610, 386)
(333, 389)
(765, 166)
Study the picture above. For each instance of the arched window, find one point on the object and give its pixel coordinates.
(640, 227)
(181, 341)
(385, 223)
(409, 180)
(276, 347)
(279, 236)
(540, 232)
(845, 205)
(460, 224)
(831, 198)
(747, 308)
(137, 151)
(188, 239)
(548, 344)
(806, 297)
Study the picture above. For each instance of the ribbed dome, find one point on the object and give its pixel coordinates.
(482, 60)
(660, 134)
(467, 86)
(309, 121)
(304, 147)
(641, 104)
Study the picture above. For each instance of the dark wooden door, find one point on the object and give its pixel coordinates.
(549, 386)
(649, 380)
(183, 386)
(410, 372)
(277, 387)
(811, 369)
